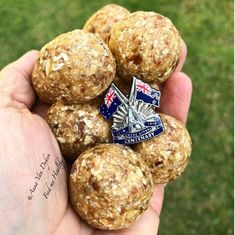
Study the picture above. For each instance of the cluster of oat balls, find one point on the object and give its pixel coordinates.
(110, 185)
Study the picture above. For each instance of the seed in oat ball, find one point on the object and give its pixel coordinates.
(75, 67)
(167, 154)
(146, 45)
(77, 127)
(110, 186)
(102, 21)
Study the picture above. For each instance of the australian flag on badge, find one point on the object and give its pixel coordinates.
(147, 94)
(134, 118)
(111, 103)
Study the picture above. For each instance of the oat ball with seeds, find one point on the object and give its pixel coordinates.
(102, 21)
(77, 127)
(110, 186)
(146, 45)
(167, 154)
(75, 67)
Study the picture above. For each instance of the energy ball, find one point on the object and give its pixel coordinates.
(167, 154)
(146, 45)
(102, 21)
(77, 127)
(75, 67)
(110, 186)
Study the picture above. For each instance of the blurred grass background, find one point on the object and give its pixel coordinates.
(200, 202)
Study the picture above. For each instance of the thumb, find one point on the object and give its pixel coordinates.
(15, 82)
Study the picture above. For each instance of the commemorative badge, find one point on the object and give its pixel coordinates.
(134, 118)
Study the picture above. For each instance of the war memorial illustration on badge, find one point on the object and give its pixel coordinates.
(134, 118)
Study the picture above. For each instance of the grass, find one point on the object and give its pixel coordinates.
(201, 201)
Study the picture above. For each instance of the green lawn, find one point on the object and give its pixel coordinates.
(200, 202)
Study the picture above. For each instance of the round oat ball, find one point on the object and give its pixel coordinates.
(167, 154)
(102, 21)
(110, 186)
(75, 67)
(146, 45)
(77, 127)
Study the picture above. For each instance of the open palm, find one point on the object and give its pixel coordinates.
(33, 175)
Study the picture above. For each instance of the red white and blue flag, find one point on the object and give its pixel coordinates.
(147, 94)
(109, 97)
(143, 87)
(111, 103)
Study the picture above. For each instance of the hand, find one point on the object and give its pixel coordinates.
(30, 203)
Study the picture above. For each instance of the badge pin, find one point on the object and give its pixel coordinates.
(134, 118)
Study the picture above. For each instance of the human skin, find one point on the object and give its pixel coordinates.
(25, 137)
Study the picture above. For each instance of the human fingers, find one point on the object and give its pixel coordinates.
(176, 96)
(15, 82)
(182, 58)
(40, 108)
